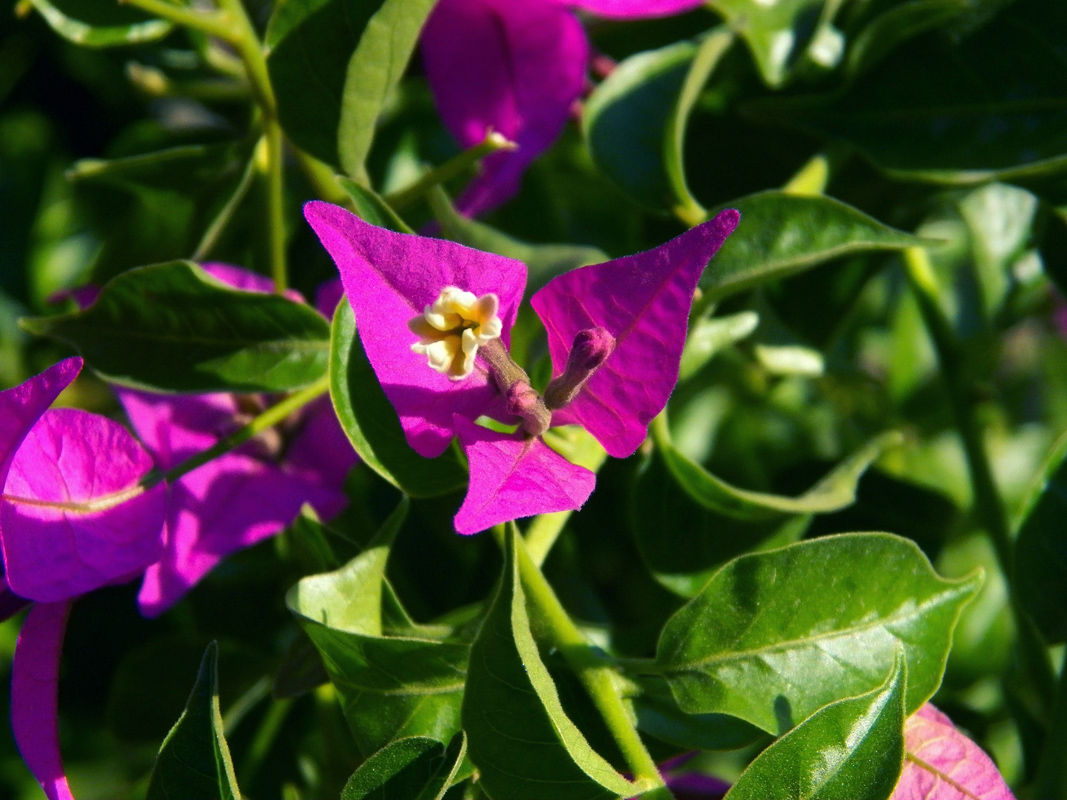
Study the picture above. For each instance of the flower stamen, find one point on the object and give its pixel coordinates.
(452, 329)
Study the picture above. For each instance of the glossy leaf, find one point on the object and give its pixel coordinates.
(523, 744)
(775, 636)
(332, 64)
(412, 768)
(779, 34)
(991, 107)
(94, 24)
(405, 683)
(658, 715)
(851, 749)
(1041, 549)
(625, 122)
(781, 234)
(834, 492)
(194, 760)
(171, 327)
(372, 425)
(543, 261)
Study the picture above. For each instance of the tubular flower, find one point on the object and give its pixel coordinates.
(615, 336)
(516, 68)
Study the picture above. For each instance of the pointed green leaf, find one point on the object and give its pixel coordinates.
(781, 234)
(94, 24)
(991, 107)
(391, 686)
(775, 636)
(834, 492)
(371, 422)
(412, 768)
(332, 64)
(851, 749)
(173, 328)
(1041, 548)
(194, 760)
(522, 742)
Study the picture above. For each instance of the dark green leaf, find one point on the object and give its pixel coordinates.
(781, 234)
(94, 24)
(775, 636)
(836, 491)
(991, 107)
(1041, 549)
(372, 425)
(333, 64)
(523, 744)
(896, 25)
(625, 122)
(173, 328)
(194, 760)
(780, 34)
(658, 715)
(851, 749)
(412, 768)
(391, 686)
(543, 261)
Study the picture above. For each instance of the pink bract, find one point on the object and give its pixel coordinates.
(643, 300)
(634, 9)
(943, 764)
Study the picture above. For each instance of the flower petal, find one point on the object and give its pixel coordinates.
(55, 553)
(390, 278)
(35, 695)
(513, 477)
(226, 505)
(643, 300)
(22, 405)
(513, 67)
(634, 9)
(952, 766)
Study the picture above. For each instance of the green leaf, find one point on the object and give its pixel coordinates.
(194, 760)
(523, 744)
(626, 120)
(701, 540)
(781, 234)
(775, 636)
(371, 424)
(1041, 549)
(836, 491)
(94, 24)
(391, 686)
(370, 207)
(332, 64)
(850, 749)
(895, 26)
(412, 768)
(543, 261)
(173, 328)
(993, 106)
(658, 715)
(710, 335)
(374, 70)
(780, 34)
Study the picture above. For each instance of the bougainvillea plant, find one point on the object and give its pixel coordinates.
(709, 444)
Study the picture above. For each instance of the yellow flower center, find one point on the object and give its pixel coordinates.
(452, 329)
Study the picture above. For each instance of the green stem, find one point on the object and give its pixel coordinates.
(596, 676)
(276, 204)
(218, 225)
(268, 419)
(322, 179)
(542, 533)
(213, 23)
(1051, 780)
(492, 142)
(987, 497)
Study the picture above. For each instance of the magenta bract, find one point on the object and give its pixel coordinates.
(943, 764)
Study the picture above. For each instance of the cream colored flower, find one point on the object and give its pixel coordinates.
(452, 329)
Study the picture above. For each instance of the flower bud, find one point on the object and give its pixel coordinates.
(523, 401)
(591, 348)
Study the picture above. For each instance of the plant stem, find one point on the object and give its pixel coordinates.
(987, 497)
(215, 229)
(213, 23)
(596, 676)
(492, 142)
(276, 204)
(322, 179)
